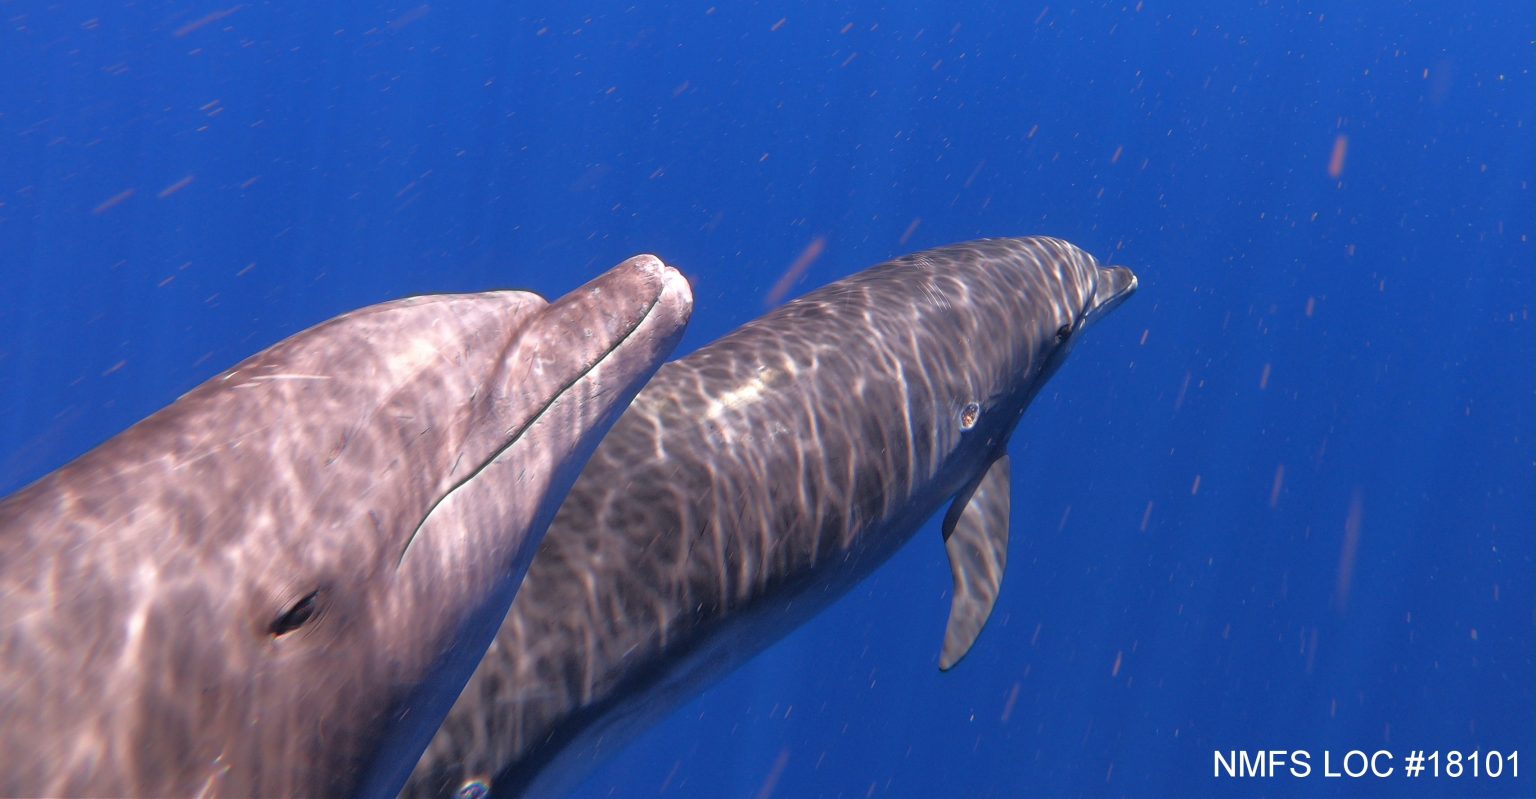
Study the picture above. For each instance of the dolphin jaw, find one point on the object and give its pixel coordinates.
(570, 372)
(1113, 285)
(513, 434)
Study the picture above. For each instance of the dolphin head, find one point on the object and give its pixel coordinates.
(269, 586)
(992, 322)
(373, 635)
(1087, 292)
(568, 379)
(1023, 303)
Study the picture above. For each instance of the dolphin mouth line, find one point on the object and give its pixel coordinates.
(1113, 301)
(517, 435)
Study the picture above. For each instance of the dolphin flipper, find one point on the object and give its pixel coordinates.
(976, 538)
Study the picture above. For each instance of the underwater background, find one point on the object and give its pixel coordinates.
(1283, 498)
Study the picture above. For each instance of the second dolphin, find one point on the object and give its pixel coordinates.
(760, 478)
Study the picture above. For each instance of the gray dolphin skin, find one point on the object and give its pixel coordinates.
(277, 585)
(755, 481)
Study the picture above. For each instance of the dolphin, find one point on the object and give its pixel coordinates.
(757, 480)
(276, 585)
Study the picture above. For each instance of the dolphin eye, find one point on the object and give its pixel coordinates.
(969, 414)
(1063, 332)
(296, 616)
(474, 789)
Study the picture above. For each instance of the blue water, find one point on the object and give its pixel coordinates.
(1281, 499)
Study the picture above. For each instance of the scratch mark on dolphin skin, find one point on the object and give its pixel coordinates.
(263, 378)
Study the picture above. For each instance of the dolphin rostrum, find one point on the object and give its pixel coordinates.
(758, 479)
(276, 585)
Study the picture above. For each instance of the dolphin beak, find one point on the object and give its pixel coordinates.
(641, 304)
(573, 367)
(1113, 286)
(608, 336)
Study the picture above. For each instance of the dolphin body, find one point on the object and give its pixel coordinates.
(277, 585)
(757, 480)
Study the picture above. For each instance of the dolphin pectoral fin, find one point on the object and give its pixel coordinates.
(976, 538)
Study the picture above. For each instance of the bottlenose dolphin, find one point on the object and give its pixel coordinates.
(755, 481)
(277, 585)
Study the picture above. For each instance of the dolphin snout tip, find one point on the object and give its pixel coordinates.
(1123, 279)
(668, 279)
(1113, 286)
(1116, 283)
(674, 294)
